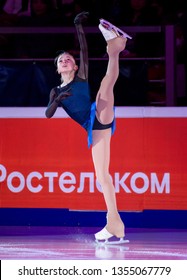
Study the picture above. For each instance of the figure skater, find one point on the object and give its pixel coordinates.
(73, 95)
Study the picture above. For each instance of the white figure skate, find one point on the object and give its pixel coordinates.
(103, 236)
(110, 31)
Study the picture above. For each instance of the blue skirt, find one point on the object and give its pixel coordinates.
(89, 124)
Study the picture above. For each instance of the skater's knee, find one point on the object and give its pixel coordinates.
(104, 179)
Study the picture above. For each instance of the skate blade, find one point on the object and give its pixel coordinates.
(116, 242)
(117, 31)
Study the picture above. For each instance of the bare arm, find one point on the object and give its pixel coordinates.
(83, 67)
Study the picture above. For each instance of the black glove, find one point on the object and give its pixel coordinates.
(81, 17)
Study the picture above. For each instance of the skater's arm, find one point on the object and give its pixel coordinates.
(52, 105)
(54, 101)
(83, 66)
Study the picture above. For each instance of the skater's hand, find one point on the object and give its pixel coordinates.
(81, 17)
(62, 96)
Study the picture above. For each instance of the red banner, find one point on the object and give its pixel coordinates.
(45, 163)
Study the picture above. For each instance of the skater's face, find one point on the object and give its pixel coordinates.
(66, 63)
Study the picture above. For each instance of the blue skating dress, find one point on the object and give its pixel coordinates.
(79, 105)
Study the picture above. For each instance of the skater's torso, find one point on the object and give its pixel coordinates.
(78, 105)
